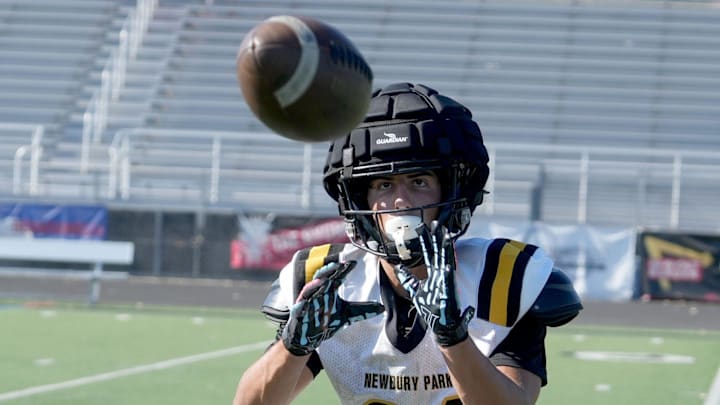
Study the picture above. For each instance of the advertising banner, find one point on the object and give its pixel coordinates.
(600, 261)
(53, 221)
(679, 266)
(261, 246)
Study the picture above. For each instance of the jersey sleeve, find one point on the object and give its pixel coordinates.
(524, 348)
(513, 274)
(290, 281)
(294, 276)
(279, 299)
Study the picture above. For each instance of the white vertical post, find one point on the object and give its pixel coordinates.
(133, 34)
(17, 168)
(215, 169)
(583, 189)
(35, 154)
(85, 147)
(102, 109)
(96, 108)
(35, 149)
(125, 167)
(675, 196)
(580, 279)
(112, 171)
(120, 65)
(95, 283)
(306, 176)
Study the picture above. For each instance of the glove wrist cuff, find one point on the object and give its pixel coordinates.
(293, 348)
(296, 350)
(452, 337)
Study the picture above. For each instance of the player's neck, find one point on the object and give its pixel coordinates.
(420, 271)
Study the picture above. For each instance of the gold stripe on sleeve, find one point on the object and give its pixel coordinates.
(315, 260)
(501, 285)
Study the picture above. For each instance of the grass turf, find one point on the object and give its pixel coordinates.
(54, 344)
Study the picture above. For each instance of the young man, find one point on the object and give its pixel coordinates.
(406, 313)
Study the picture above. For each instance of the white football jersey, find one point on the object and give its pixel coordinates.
(499, 278)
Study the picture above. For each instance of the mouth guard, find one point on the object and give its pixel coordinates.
(401, 230)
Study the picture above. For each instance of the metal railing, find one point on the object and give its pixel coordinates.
(120, 157)
(579, 159)
(35, 149)
(112, 77)
(583, 164)
(577, 167)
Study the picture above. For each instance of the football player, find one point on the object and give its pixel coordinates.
(408, 313)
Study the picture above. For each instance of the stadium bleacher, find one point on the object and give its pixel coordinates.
(641, 76)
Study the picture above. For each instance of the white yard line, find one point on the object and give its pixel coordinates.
(161, 365)
(713, 396)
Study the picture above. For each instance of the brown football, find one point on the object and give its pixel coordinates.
(303, 78)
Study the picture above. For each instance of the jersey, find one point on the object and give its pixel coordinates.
(370, 362)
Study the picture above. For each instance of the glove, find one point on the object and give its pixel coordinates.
(319, 312)
(435, 297)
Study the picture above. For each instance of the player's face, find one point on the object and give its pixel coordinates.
(403, 191)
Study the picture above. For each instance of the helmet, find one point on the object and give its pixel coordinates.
(408, 128)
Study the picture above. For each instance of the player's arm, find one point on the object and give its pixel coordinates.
(520, 357)
(316, 316)
(268, 380)
(475, 378)
(478, 381)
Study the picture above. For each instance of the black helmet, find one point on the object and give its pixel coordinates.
(408, 128)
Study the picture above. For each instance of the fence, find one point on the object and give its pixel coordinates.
(262, 172)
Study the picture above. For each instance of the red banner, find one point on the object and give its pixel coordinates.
(273, 250)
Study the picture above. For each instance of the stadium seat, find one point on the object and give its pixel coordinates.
(549, 76)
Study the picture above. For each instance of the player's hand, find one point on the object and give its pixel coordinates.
(319, 312)
(435, 297)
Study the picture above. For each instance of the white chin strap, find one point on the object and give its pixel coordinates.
(401, 230)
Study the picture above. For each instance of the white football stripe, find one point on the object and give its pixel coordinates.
(634, 357)
(307, 66)
(713, 397)
(161, 365)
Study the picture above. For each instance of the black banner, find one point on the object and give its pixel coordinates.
(679, 266)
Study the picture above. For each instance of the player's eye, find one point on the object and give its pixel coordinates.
(385, 185)
(380, 184)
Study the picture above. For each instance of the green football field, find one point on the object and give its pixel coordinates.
(55, 354)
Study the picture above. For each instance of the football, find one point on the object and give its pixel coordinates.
(303, 78)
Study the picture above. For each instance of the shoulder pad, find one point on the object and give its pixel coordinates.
(500, 291)
(558, 302)
(272, 307)
(309, 260)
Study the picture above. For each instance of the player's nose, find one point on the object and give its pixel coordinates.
(402, 197)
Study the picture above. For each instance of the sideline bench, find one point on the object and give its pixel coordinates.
(94, 252)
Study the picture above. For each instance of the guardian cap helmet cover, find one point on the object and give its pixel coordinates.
(408, 128)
